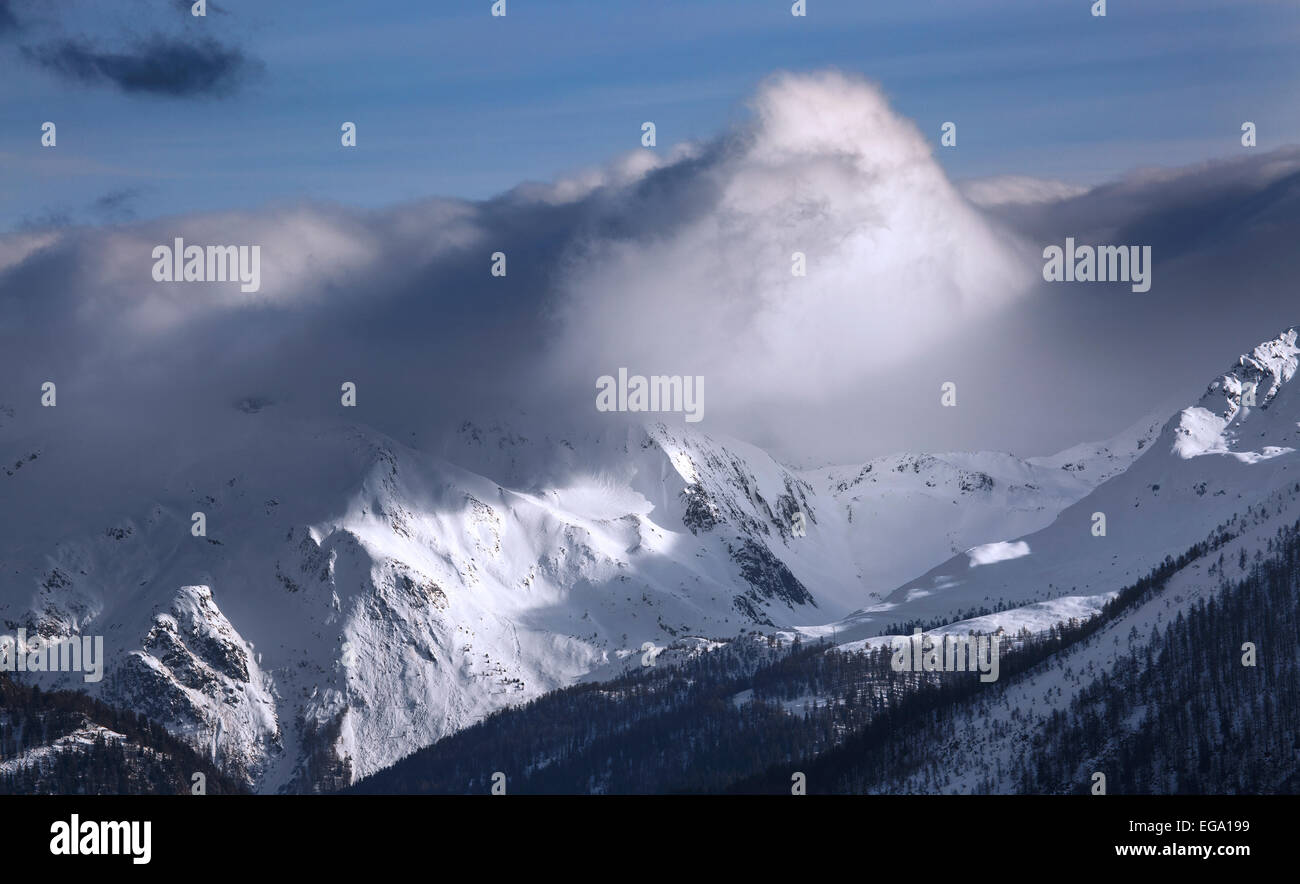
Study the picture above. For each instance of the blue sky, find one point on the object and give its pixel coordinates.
(451, 101)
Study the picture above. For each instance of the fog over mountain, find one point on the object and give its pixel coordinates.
(679, 262)
(345, 507)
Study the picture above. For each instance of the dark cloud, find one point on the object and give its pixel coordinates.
(116, 205)
(1090, 357)
(9, 23)
(44, 221)
(159, 66)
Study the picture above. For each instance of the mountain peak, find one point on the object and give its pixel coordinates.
(1266, 368)
(1253, 382)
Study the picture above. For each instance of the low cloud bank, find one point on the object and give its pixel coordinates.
(666, 263)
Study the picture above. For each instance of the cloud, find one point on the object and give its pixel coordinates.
(159, 66)
(16, 247)
(9, 23)
(45, 220)
(115, 206)
(680, 263)
(1203, 207)
(1001, 190)
(699, 277)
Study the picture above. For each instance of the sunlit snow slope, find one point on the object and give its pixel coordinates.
(355, 598)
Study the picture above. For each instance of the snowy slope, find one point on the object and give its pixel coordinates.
(901, 514)
(1002, 729)
(356, 598)
(1211, 461)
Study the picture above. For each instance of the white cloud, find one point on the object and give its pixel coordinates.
(1002, 190)
(671, 262)
(897, 260)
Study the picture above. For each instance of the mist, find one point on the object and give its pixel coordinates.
(682, 262)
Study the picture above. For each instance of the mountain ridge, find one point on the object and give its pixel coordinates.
(312, 631)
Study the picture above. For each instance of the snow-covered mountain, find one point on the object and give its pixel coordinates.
(354, 598)
(1214, 505)
(1211, 464)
